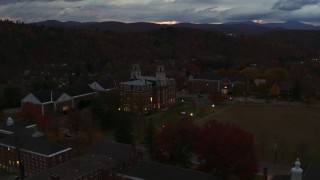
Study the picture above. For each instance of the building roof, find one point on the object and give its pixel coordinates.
(75, 168)
(157, 171)
(119, 151)
(20, 127)
(148, 78)
(73, 90)
(34, 145)
(217, 77)
(107, 84)
(137, 83)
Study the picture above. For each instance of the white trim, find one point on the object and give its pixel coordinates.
(66, 97)
(84, 95)
(129, 177)
(31, 98)
(31, 126)
(32, 152)
(5, 132)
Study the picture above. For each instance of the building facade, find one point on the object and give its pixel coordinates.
(214, 83)
(57, 100)
(34, 154)
(143, 94)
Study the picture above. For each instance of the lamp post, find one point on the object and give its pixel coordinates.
(212, 107)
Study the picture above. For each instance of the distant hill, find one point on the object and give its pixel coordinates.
(246, 27)
(293, 25)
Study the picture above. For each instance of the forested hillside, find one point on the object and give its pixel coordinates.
(29, 46)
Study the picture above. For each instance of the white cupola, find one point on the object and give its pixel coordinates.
(10, 121)
(160, 72)
(296, 171)
(135, 72)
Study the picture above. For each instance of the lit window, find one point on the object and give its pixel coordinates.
(65, 108)
(8, 148)
(150, 99)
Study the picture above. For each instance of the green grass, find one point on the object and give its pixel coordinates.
(293, 129)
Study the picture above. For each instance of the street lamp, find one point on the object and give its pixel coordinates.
(191, 114)
(212, 107)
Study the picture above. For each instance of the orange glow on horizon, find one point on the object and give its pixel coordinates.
(216, 23)
(258, 21)
(166, 22)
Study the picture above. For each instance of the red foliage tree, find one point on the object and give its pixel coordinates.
(225, 150)
(31, 113)
(218, 97)
(175, 143)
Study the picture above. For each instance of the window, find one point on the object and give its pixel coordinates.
(65, 108)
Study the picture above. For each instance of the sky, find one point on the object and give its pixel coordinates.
(171, 11)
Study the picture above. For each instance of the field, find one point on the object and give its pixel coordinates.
(281, 132)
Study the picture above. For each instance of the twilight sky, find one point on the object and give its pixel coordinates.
(196, 11)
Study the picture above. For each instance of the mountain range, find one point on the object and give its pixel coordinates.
(246, 27)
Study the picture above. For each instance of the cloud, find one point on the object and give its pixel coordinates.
(291, 5)
(197, 11)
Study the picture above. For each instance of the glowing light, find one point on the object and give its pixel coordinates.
(191, 114)
(216, 23)
(150, 99)
(119, 109)
(165, 22)
(258, 21)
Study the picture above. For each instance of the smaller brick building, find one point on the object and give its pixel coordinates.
(35, 154)
(57, 100)
(235, 85)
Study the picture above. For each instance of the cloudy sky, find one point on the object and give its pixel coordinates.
(196, 11)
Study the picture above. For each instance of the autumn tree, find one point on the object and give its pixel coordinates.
(275, 90)
(124, 128)
(175, 143)
(218, 98)
(226, 150)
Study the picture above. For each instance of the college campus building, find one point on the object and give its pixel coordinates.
(23, 147)
(57, 100)
(143, 94)
(235, 85)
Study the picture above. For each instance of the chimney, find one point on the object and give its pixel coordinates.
(55, 177)
(265, 173)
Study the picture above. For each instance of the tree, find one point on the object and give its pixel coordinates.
(276, 74)
(275, 90)
(175, 143)
(74, 120)
(216, 97)
(124, 128)
(150, 131)
(225, 150)
(12, 96)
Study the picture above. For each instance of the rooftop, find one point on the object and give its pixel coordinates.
(118, 151)
(75, 168)
(33, 145)
(157, 171)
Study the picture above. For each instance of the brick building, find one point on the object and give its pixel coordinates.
(104, 161)
(57, 100)
(22, 144)
(143, 94)
(235, 85)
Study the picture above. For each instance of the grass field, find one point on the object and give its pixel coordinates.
(291, 130)
(280, 132)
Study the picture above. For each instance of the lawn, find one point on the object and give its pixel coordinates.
(280, 131)
(292, 131)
